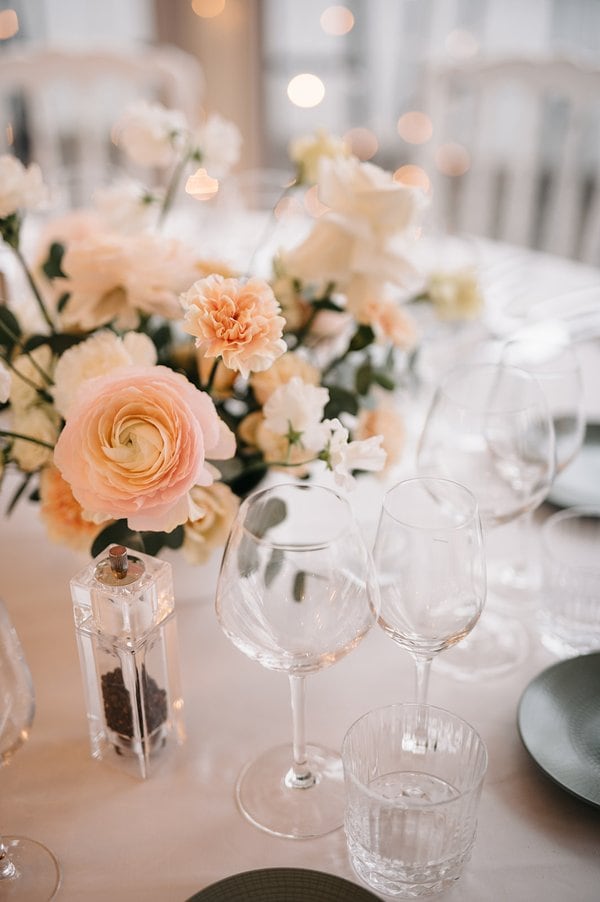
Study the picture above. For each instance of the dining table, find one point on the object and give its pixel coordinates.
(163, 839)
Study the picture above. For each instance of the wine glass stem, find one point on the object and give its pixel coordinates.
(299, 775)
(7, 868)
(422, 671)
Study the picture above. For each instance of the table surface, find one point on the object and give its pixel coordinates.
(164, 839)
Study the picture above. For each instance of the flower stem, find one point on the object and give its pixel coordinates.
(26, 379)
(211, 376)
(172, 189)
(26, 438)
(34, 288)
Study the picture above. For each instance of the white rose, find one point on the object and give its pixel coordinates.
(150, 133)
(20, 188)
(308, 151)
(102, 353)
(219, 142)
(297, 407)
(39, 423)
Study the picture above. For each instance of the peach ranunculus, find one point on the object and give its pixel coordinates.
(112, 277)
(385, 421)
(284, 368)
(218, 505)
(62, 514)
(135, 443)
(238, 321)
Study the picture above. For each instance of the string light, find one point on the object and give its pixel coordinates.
(415, 127)
(414, 176)
(306, 90)
(337, 20)
(362, 143)
(9, 24)
(208, 9)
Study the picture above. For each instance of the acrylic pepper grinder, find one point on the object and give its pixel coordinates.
(124, 612)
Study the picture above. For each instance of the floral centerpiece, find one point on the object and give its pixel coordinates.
(144, 389)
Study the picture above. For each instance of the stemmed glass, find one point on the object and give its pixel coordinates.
(28, 870)
(296, 592)
(545, 351)
(489, 428)
(430, 565)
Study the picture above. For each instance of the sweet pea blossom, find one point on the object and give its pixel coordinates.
(125, 207)
(136, 442)
(295, 410)
(150, 133)
(343, 456)
(101, 353)
(235, 320)
(219, 143)
(20, 188)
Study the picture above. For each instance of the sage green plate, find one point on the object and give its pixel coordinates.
(579, 483)
(283, 885)
(559, 723)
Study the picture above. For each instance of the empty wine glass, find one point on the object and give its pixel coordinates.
(296, 593)
(430, 566)
(544, 350)
(489, 428)
(28, 870)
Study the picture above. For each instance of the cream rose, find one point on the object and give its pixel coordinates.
(136, 442)
(308, 151)
(209, 531)
(38, 424)
(102, 353)
(238, 321)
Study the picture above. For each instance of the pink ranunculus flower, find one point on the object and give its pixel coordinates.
(238, 321)
(136, 442)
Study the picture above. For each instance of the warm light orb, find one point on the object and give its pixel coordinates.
(362, 143)
(337, 20)
(461, 44)
(9, 24)
(313, 203)
(201, 186)
(415, 127)
(414, 176)
(10, 135)
(208, 9)
(452, 159)
(306, 90)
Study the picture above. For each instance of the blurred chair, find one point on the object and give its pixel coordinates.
(59, 104)
(515, 153)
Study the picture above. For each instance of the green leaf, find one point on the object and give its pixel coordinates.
(62, 301)
(384, 380)
(53, 265)
(10, 330)
(15, 498)
(243, 484)
(299, 585)
(58, 343)
(362, 338)
(341, 400)
(327, 304)
(161, 337)
(363, 378)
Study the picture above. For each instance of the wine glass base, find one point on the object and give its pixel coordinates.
(37, 872)
(269, 803)
(497, 645)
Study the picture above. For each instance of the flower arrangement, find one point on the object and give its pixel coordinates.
(144, 390)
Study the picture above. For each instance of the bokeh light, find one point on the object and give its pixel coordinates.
(208, 9)
(201, 185)
(362, 143)
(414, 176)
(10, 136)
(415, 127)
(337, 20)
(306, 90)
(461, 44)
(9, 24)
(313, 203)
(452, 159)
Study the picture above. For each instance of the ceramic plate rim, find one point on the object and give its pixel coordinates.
(283, 871)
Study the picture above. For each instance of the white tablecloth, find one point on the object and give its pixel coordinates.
(120, 839)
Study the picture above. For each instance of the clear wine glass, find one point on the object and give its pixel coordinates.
(430, 566)
(489, 428)
(296, 592)
(544, 350)
(28, 870)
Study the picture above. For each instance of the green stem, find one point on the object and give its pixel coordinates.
(34, 289)
(26, 379)
(269, 226)
(211, 376)
(26, 438)
(172, 188)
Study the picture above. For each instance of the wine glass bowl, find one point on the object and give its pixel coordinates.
(296, 592)
(28, 870)
(431, 568)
